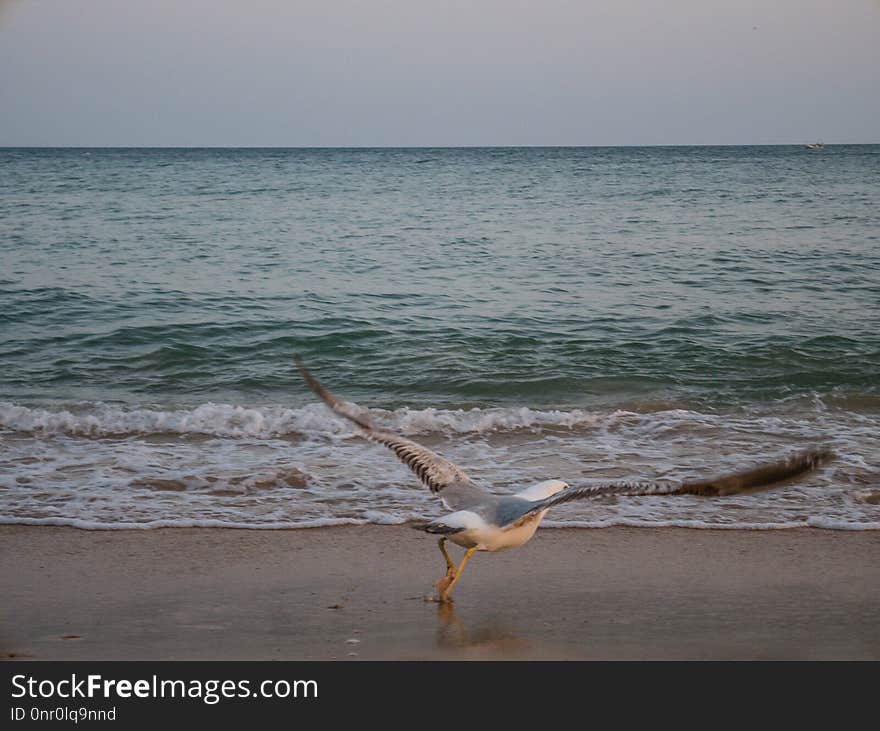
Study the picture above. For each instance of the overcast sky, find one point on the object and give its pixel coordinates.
(439, 72)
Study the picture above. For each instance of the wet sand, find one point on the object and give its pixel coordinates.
(353, 593)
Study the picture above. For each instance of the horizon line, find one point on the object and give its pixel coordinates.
(417, 147)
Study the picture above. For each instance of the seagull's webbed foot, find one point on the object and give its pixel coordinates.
(443, 586)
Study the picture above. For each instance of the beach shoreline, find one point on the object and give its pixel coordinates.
(357, 592)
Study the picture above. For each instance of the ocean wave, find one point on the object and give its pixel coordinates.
(270, 422)
(266, 422)
(179, 523)
(820, 523)
(97, 465)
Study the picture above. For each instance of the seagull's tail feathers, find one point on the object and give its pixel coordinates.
(437, 528)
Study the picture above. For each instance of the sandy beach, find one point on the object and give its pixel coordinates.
(354, 593)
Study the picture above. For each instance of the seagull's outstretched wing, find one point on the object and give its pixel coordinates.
(450, 483)
(757, 478)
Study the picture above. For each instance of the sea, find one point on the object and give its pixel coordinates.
(586, 314)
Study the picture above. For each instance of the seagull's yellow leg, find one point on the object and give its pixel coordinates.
(442, 583)
(444, 586)
(450, 567)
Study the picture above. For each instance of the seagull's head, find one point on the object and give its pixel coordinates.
(543, 490)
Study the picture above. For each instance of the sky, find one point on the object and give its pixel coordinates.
(340, 73)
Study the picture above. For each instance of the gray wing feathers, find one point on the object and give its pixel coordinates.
(601, 489)
(760, 477)
(433, 470)
(349, 411)
(757, 478)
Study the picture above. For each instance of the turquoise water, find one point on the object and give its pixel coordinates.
(587, 312)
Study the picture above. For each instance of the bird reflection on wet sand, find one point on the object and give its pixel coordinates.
(489, 638)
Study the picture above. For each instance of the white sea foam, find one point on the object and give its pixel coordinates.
(180, 523)
(388, 520)
(104, 466)
(707, 525)
(225, 420)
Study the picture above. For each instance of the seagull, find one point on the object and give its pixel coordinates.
(483, 521)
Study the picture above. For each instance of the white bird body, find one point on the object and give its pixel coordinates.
(478, 534)
(482, 535)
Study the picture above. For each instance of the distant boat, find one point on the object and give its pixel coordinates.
(815, 146)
